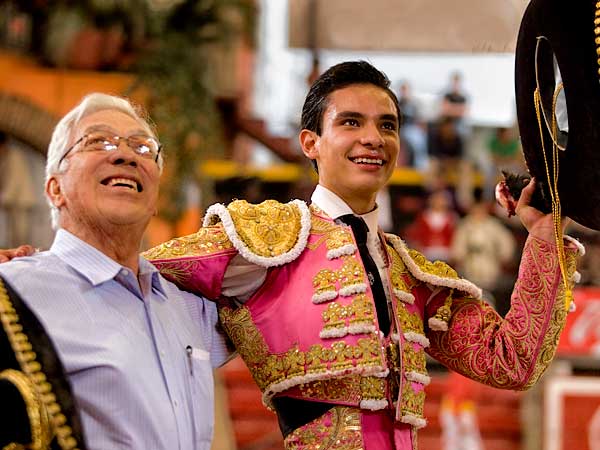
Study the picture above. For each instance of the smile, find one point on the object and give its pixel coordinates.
(376, 161)
(123, 182)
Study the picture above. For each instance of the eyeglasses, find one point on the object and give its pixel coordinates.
(145, 146)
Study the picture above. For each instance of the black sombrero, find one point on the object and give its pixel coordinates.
(37, 402)
(561, 40)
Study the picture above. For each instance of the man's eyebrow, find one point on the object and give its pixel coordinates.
(391, 117)
(349, 115)
(107, 128)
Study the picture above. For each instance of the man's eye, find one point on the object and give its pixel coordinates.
(389, 126)
(350, 122)
(97, 140)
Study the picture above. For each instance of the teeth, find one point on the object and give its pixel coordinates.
(123, 181)
(369, 161)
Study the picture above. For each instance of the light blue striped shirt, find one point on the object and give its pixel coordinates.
(139, 361)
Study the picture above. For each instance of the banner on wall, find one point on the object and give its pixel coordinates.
(581, 336)
(572, 413)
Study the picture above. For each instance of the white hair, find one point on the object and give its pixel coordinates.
(61, 135)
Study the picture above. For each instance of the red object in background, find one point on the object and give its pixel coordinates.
(581, 336)
(572, 413)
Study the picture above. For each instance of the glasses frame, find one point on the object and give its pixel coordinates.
(118, 139)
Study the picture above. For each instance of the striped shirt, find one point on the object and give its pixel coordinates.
(138, 352)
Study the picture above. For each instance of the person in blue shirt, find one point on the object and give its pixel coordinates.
(137, 351)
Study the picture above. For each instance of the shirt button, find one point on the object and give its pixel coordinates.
(162, 353)
(176, 403)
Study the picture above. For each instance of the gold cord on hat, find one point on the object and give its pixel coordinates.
(552, 179)
(597, 33)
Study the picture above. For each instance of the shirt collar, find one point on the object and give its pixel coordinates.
(335, 207)
(94, 265)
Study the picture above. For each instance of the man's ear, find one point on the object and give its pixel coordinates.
(309, 141)
(54, 192)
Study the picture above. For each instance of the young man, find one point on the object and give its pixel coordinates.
(332, 317)
(137, 351)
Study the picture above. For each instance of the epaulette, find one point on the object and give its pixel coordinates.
(268, 234)
(436, 273)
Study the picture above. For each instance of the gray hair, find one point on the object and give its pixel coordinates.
(62, 133)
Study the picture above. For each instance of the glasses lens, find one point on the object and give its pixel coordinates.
(99, 141)
(146, 146)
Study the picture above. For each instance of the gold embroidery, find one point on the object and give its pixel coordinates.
(557, 322)
(359, 312)
(268, 369)
(372, 388)
(413, 403)
(351, 275)
(351, 389)
(337, 429)
(324, 284)
(400, 276)
(409, 322)
(205, 241)
(414, 360)
(338, 237)
(438, 268)
(268, 229)
(319, 227)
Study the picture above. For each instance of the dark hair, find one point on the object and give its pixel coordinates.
(337, 77)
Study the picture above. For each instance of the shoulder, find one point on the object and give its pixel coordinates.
(30, 267)
(268, 234)
(436, 273)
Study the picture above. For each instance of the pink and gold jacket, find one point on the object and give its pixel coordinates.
(311, 332)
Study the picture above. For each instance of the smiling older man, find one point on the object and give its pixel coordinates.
(137, 351)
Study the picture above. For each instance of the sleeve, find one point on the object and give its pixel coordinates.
(510, 352)
(242, 278)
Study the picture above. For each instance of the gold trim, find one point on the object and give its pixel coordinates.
(32, 369)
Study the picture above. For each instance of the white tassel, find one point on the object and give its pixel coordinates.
(437, 324)
(405, 297)
(353, 289)
(348, 249)
(417, 338)
(323, 297)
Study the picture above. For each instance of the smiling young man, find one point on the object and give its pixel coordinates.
(137, 351)
(333, 317)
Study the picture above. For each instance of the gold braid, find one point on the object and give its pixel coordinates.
(553, 185)
(52, 420)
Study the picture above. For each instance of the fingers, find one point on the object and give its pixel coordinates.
(23, 250)
(526, 194)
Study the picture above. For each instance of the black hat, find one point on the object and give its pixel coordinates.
(31, 374)
(559, 37)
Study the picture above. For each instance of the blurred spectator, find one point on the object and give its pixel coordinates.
(454, 101)
(238, 187)
(504, 149)
(432, 231)
(412, 132)
(458, 414)
(445, 143)
(481, 248)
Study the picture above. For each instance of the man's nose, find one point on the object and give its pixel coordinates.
(372, 136)
(124, 155)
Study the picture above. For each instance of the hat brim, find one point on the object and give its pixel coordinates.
(566, 33)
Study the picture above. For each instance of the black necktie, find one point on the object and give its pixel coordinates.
(360, 230)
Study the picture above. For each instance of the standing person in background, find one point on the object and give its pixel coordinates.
(433, 229)
(481, 247)
(137, 351)
(351, 373)
(413, 129)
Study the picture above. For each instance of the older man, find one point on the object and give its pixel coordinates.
(137, 351)
(332, 316)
